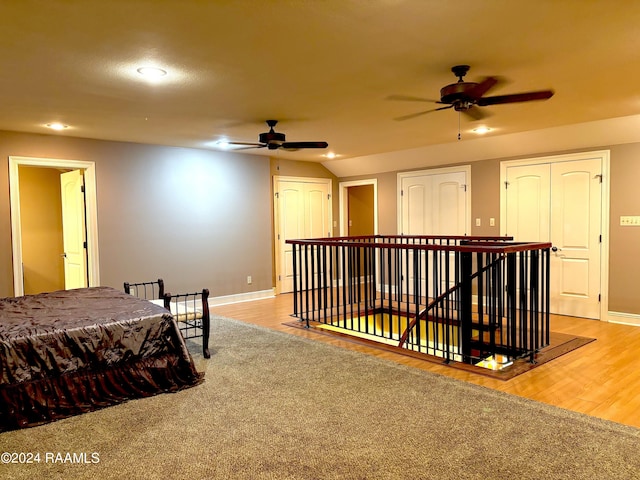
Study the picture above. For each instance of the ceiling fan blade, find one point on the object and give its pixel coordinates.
(475, 113)
(413, 115)
(483, 87)
(409, 98)
(298, 145)
(516, 97)
(246, 145)
(253, 144)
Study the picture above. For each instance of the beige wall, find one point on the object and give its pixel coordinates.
(41, 220)
(624, 242)
(197, 218)
(624, 251)
(485, 197)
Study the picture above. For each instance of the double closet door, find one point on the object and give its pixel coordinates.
(561, 203)
(433, 202)
(302, 209)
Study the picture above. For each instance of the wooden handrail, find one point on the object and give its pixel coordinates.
(473, 246)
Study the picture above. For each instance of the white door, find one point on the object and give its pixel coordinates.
(575, 233)
(529, 202)
(73, 229)
(561, 203)
(434, 204)
(302, 210)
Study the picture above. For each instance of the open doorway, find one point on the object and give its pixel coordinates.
(48, 256)
(359, 207)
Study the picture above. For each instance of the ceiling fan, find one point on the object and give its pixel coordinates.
(274, 140)
(465, 97)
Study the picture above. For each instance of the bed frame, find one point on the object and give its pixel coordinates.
(190, 310)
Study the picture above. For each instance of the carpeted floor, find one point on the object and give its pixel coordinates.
(277, 406)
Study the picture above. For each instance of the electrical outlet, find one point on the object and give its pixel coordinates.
(249, 280)
(478, 222)
(492, 222)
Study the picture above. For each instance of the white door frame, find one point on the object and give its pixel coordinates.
(90, 205)
(343, 195)
(466, 169)
(604, 156)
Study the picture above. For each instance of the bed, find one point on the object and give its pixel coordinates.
(74, 351)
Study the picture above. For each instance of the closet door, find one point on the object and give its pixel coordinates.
(561, 203)
(302, 210)
(433, 203)
(529, 203)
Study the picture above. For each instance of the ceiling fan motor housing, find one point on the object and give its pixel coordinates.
(457, 92)
(272, 139)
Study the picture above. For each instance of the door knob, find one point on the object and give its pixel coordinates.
(555, 249)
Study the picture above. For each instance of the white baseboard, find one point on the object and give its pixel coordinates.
(242, 297)
(624, 318)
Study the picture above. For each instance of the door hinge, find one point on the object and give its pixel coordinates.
(599, 298)
(82, 188)
(279, 278)
(464, 185)
(328, 196)
(600, 238)
(506, 184)
(599, 176)
(84, 244)
(402, 193)
(277, 194)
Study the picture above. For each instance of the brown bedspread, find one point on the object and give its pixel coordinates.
(69, 352)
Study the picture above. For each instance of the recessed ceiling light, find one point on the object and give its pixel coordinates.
(481, 130)
(151, 72)
(57, 126)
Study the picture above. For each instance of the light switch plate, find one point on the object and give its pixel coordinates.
(630, 221)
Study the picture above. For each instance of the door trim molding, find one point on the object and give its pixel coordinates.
(90, 206)
(604, 157)
(344, 204)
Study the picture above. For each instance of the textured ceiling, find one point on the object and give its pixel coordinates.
(324, 69)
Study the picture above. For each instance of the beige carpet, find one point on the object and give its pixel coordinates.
(277, 406)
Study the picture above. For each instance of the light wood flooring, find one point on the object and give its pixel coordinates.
(601, 379)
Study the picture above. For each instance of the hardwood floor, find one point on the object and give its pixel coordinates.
(601, 379)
